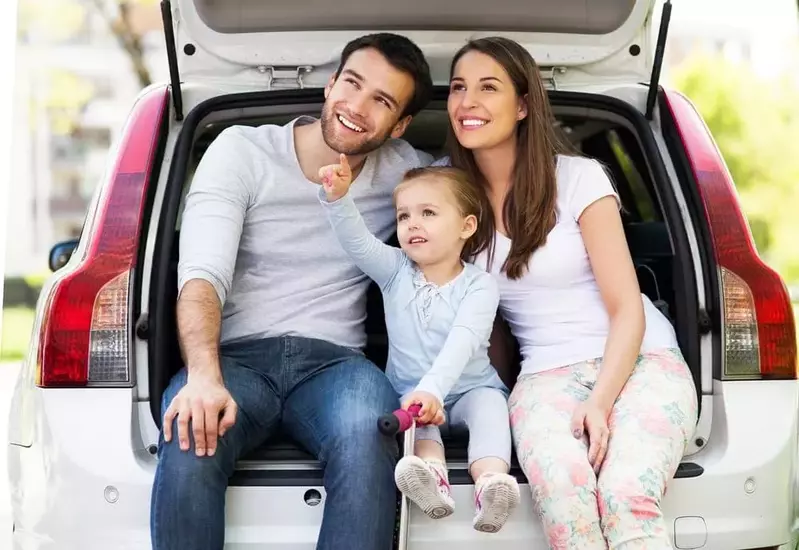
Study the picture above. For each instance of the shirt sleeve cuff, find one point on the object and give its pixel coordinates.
(344, 199)
(426, 384)
(195, 273)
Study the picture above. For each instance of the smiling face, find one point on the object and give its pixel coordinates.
(484, 108)
(364, 104)
(500, 112)
(430, 226)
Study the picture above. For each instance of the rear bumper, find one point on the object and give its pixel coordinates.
(81, 485)
(747, 495)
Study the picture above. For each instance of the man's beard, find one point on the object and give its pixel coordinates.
(329, 123)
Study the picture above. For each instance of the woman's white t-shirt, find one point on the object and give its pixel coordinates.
(555, 310)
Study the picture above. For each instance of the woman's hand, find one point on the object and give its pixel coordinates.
(592, 418)
(336, 178)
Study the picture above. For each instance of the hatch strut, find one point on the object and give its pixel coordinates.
(660, 50)
(172, 58)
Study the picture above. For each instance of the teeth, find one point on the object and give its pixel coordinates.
(417, 240)
(349, 124)
(473, 122)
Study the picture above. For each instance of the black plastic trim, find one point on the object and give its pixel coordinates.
(657, 65)
(710, 318)
(149, 199)
(315, 477)
(172, 58)
(277, 478)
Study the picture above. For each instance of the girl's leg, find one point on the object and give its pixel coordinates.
(429, 449)
(485, 413)
(422, 477)
(556, 464)
(651, 424)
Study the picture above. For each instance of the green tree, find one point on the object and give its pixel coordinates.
(118, 16)
(52, 21)
(47, 23)
(755, 122)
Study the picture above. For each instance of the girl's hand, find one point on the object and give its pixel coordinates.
(336, 178)
(431, 412)
(592, 418)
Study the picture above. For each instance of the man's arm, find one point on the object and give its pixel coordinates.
(199, 315)
(213, 219)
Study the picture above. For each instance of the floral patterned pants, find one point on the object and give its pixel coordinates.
(651, 423)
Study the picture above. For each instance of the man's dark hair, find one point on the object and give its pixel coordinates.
(403, 55)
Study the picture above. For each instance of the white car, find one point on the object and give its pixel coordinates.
(86, 414)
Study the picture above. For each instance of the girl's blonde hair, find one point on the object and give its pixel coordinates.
(469, 198)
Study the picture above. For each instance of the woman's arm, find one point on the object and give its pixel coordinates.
(613, 269)
(594, 205)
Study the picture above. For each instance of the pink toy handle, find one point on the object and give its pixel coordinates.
(398, 421)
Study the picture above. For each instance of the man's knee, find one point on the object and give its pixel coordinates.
(371, 382)
(185, 467)
(356, 438)
(367, 394)
(354, 433)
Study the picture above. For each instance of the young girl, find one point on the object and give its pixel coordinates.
(439, 315)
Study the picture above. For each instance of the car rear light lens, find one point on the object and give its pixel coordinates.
(740, 326)
(759, 325)
(86, 322)
(108, 344)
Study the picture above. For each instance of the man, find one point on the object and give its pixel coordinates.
(261, 272)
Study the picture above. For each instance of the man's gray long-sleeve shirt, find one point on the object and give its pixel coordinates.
(254, 228)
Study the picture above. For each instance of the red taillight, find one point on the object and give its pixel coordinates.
(759, 327)
(85, 324)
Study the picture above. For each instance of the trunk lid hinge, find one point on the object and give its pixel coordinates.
(285, 77)
(660, 50)
(549, 76)
(172, 58)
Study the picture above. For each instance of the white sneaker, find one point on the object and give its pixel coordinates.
(495, 497)
(426, 485)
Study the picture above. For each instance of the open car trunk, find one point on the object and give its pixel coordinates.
(247, 44)
(601, 127)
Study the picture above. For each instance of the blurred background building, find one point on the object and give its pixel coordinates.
(80, 64)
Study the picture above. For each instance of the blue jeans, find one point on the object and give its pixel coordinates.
(325, 397)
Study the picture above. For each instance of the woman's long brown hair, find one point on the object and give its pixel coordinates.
(529, 209)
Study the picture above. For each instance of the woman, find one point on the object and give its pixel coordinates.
(604, 404)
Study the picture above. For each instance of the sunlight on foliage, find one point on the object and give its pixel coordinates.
(51, 20)
(755, 123)
(68, 94)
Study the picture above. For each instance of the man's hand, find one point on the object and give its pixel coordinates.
(431, 411)
(203, 400)
(336, 178)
